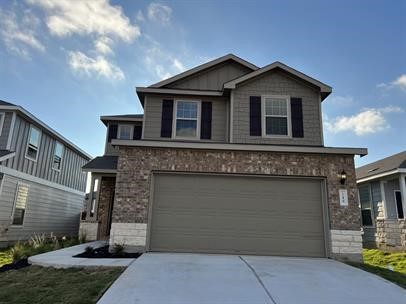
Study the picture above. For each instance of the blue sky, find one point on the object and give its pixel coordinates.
(70, 63)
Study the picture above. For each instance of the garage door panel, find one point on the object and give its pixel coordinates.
(261, 215)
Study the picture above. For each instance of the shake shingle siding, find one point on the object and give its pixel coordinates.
(277, 83)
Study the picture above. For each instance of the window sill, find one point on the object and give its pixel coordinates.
(31, 159)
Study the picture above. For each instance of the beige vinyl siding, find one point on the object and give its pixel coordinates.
(213, 78)
(70, 175)
(8, 116)
(48, 210)
(277, 83)
(153, 116)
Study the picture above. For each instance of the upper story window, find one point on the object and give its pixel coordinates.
(1, 122)
(187, 117)
(58, 153)
(33, 143)
(125, 131)
(276, 120)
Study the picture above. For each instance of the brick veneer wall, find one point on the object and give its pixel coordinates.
(136, 164)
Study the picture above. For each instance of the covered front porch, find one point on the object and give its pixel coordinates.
(95, 222)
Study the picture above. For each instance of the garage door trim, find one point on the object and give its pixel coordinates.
(325, 209)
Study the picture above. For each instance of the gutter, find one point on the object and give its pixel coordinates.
(239, 147)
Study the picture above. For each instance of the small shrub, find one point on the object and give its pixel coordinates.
(18, 252)
(118, 249)
(56, 245)
(89, 249)
(38, 240)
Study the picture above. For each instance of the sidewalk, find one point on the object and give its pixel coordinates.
(63, 258)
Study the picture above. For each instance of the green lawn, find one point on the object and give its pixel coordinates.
(44, 285)
(379, 262)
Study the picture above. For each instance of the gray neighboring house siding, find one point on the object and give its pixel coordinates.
(153, 116)
(277, 83)
(55, 198)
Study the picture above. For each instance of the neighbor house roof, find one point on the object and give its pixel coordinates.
(385, 166)
(104, 164)
(126, 117)
(203, 67)
(324, 88)
(5, 154)
(4, 105)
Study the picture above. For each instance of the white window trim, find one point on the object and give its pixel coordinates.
(371, 205)
(288, 116)
(3, 116)
(131, 130)
(14, 206)
(28, 142)
(198, 119)
(396, 205)
(53, 156)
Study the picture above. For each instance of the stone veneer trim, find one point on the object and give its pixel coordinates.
(346, 241)
(129, 234)
(89, 229)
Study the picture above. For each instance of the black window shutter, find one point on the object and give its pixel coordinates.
(112, 132)
(205, 126)
(167, 117)
(255, 116)
(137, 132)
(296, 116)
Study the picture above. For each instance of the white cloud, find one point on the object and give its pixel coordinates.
(368, 121)
(86, 17)
(159, 13)
(399, 83)
(140, 16)
(19, 35)
(103, 45)
(178, 65)
(341, 100)
(99, 65)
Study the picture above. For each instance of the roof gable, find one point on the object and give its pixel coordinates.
(247, 66)
(324, 88)
(397, 161)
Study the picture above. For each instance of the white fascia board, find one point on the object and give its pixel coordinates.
(178, 91)
(109, 171)
(239, 147)
(48, 128)
(383, 174)
(4, 157)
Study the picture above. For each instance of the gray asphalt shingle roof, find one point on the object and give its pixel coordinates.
(384, 165)
(106, 162)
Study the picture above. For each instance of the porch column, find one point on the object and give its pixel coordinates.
(402, 185)
(383, 200)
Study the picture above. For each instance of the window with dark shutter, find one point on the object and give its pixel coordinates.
(112, 132)
(167, 117)
(255, 115)
(205, 127)
(137, 132)
(296, 117)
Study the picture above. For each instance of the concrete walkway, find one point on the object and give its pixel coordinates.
(156, 278)
(63, 258)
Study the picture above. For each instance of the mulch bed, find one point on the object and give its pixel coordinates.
(16, 265)
(103, 253)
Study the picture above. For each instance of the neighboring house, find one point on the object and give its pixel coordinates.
(227, 158)
(42, 185)
(382, 194)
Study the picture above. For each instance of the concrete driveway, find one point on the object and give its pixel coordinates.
(168, 278)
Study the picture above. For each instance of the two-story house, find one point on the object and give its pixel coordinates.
(227, 158)
(42, 185)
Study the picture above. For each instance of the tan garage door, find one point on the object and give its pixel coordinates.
(237, 214)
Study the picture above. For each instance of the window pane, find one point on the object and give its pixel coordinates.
(186, 109)
(20, 204)
(276, 106)
(34, 137)
(59, 150)
(125, 132)
(57, 156)
(186, 128)
(32, 152)
(366, 217)
(276, 126)
(364, 197)
(399, 207)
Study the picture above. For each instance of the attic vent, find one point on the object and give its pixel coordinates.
(372, 170)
